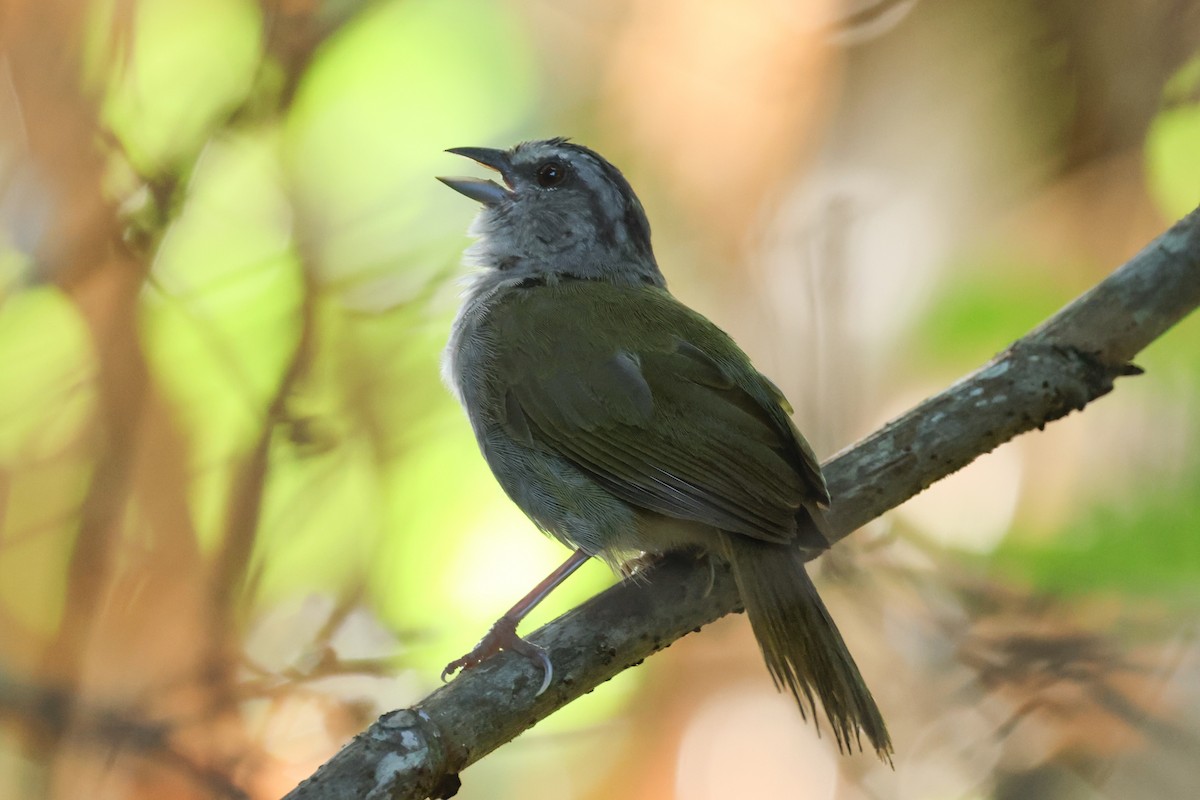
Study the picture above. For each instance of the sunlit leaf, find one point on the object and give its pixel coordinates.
(382, 101)
(45, 393)
(1151, 548)
(46, 400)
(976, 315)
(220, 317)
(189, 64)
(1173, 159)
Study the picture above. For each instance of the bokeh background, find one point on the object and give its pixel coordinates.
(240, 516)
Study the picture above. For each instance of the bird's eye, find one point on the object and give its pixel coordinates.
(551, 174)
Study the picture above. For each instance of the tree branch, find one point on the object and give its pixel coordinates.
(1061, 366)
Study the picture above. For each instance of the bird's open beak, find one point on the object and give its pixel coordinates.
(489, 193)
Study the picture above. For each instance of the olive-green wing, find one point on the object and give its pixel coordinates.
(664, 425)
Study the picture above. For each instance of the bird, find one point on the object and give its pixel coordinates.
(625, 424)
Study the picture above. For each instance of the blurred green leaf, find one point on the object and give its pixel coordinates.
(46, 402)
(45, 393)
(1173, 159)
(15, 267)
(188, 65)
(321, 521)
(1184, 85)
(1151, 548)
(220, 318)
(980, 310)
(383, 99)
(1172, 155)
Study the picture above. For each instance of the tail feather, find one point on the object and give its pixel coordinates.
(801, 644)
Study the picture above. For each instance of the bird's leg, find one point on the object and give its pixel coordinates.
(503, 635)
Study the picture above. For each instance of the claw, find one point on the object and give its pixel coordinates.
(712, 577)
(503, 636)
(547, 668)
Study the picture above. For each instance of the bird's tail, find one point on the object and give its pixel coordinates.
(802, 647)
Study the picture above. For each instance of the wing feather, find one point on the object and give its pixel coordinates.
(630, 416)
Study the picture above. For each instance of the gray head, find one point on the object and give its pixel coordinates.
(563, 212)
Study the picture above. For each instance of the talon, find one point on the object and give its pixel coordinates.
(547, 672)
(471, 659)
(537, 655)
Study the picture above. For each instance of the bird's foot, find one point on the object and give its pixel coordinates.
(503, 636)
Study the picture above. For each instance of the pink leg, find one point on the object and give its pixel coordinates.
(503, 635)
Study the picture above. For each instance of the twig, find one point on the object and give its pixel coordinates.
(54, 713)
(1061, 366)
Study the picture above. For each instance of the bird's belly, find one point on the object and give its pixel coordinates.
(561, 499)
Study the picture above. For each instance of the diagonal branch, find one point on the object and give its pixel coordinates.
(1061, 366)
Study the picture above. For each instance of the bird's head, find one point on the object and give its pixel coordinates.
(563, 212)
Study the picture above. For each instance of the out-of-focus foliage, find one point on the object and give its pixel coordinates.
(45, 407)
(221, 307)
(1140, 538)
(1171, 156)
(189, 66)
(982, 309)
(1107, 549)
(237, 507)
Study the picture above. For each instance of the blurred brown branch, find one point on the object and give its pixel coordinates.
(50, 712)
(1061, 366)
(125, 686)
